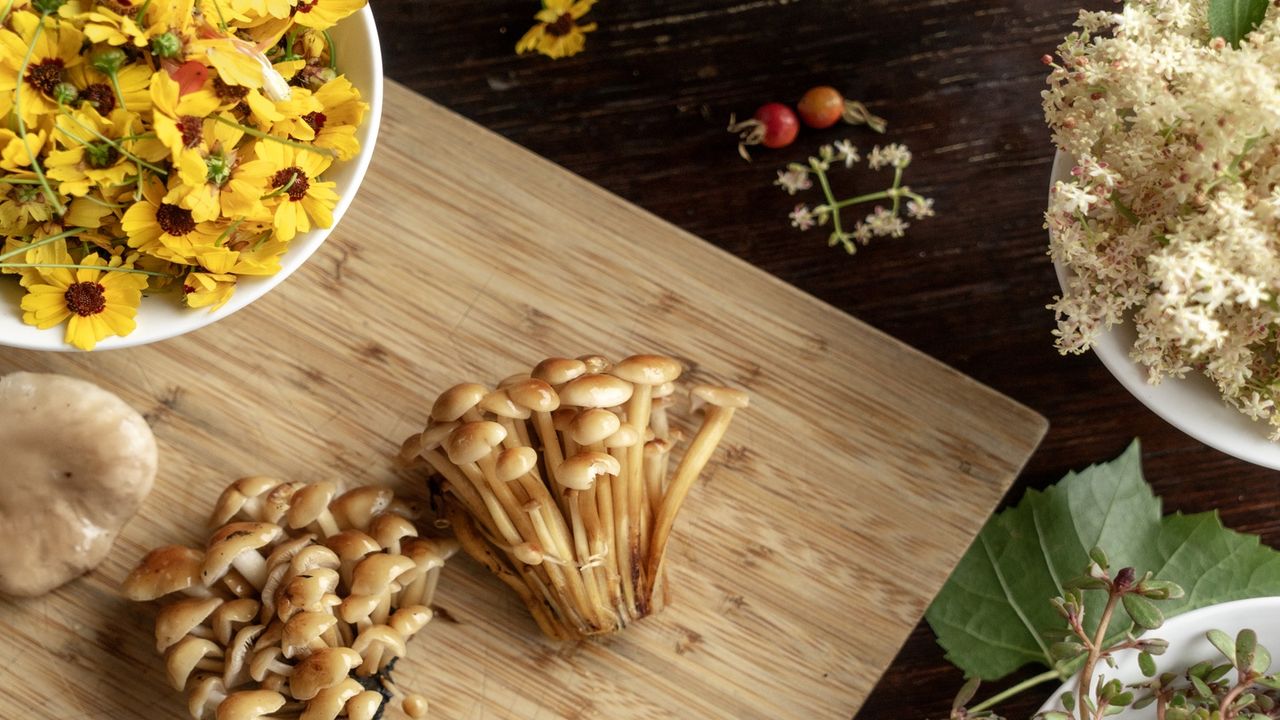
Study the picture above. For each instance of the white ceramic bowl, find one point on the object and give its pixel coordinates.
(1193, 404)
(1188, 645)
(162, 317)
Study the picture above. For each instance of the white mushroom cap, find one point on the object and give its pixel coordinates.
(78, 463)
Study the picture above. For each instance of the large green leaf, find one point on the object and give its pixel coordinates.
(1233, 19)
(993, 611)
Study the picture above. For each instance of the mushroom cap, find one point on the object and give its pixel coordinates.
(204, 695)
(474, 440)
(263, 660)
(456, 401)
(310, 502)
(78, 463)
(410, 619)
(416, 706)
(515, 463)
(499, 403)
(356, 507)
(178, 618)
(389, 528)
(277, 502)
(306, 591)
(626, 436)
(648, 369)
(596, 391)
(364, 706)
(596, 363)
(303, 629)
(435, 435)
(718, 396)
(314, 556)
(231, 613)
(181, 658)
(429, 552)
(250, 705)
(237, 495)
(664, 390)
(593, 425)
(374, 573)
(230, 541)
(330, 701)
(579, 472)
(235, 671)
(513, 379)
(535, 394)
(351, 544)
(558, 371)
(166, 569)
(322, 669)
(384, 635)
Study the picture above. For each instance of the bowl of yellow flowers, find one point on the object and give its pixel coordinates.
(164, 163)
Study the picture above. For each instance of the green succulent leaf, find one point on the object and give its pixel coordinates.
(992, 615)
(1231, 20)
(1223, 642)
(1147, 664)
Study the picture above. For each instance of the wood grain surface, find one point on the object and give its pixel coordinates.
(642, 112)
(834, 510)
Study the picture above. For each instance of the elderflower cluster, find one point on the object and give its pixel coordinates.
(1172, 214)
(163, 145)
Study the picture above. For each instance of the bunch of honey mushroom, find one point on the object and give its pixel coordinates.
(558, 482)
(297, 605)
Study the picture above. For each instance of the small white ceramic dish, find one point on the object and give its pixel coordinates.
(1188, 645)
(161, 318)
(1193, 404)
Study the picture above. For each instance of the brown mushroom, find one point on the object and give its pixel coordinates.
(459, 402)
(235, 670)
(237, 546)
(188, 655)
(310, 591)
(243, 499)
(416, 706)
(320, 670)
(305, 632)
(389, 529)
(378, 645)
(310, 505)
(78, 463)
(356, 508)
(267, 661)
(231, 615)
(351, 546)
(184, 617)
(364, 706)
(167, 569)
(331, 701)
(250, 705)
(204, 697)
(429, 556)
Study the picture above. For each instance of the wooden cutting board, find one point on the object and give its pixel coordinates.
(832, 513)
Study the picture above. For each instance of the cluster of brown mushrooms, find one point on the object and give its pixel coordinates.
(299, 603)
(557, 481)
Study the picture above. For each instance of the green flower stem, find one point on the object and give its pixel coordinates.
(831, 200)
(1095, 652)
(42, 241)
(897, 183)
(1023, 686)
(227, 233)
(222, 21)
(119, 148)
(103, 268)
(19, 181)
(115, 85)
(5, 14)
(333, 50)
(267, 136)
(49, 195)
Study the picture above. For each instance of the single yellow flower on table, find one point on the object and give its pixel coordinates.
(558, 33)
(94, 301)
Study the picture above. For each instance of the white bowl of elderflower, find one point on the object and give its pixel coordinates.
(1164, 214)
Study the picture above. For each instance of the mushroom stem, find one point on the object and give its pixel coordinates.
(561, 552)
(252, 566)
(583, 549)
(695, 459)
(550, 450)
(638, 408)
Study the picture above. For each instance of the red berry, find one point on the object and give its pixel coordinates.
(821, 107)
(780, 125)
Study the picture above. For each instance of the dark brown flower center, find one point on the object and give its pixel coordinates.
(101, 96)
(191, 129)
(305, 5)
(174, 220)
(227, 92)
(298, 189)
(316, 120)
(45, 75)
(86, 298)
(562, 26)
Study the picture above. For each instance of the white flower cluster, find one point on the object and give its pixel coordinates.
(1172, 215)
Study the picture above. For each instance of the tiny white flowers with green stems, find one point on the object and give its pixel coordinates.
(886, 218)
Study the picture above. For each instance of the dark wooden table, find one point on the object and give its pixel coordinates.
(642, 112)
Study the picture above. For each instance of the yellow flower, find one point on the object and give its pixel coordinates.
(164, 229)
(24, 205)
(105, 25)
(324, 14)
(98, 302)
(221, 181)
(249, 251)
(333, 125)
(89, 161)
(48, 58)
(211, 290)
(558, 33)
(15, 155)
(297, 196)
(95, 88)
(178, 119)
